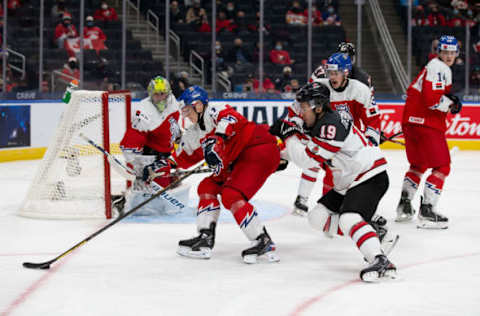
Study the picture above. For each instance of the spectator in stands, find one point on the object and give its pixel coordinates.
(221, 66)
(330, 16)
(456, 19)
(71, 70)
(433, 49)
(195, 13)
(475, 77)
(295, 14)
(324, 4)
(283, 80)
(436, 18)
(230, 11)
(105, 13)
(419, 17)
(239, 54)
(242, 27)
(280, 56)
(58, 10)
(64, 30)
(223, 24)
(293, 86)
(317, 19)
(204, 25)
(180, 83)
(91, 31)
(13, 6)
(254, 27)
(267, 84)
(176, 14)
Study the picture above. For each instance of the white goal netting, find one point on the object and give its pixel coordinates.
(73, 180)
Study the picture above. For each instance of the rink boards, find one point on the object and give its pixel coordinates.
(27, 126)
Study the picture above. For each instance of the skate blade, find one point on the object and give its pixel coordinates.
(375, 277)
(432, 225)
(299, 212)
(404, 218)
(387, 246)
(203, 253)
(266, 257)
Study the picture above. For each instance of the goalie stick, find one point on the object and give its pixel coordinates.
(46, 264)
(127, 172)
(116, 164)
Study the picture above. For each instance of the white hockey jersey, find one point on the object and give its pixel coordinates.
(356, 102)
(338, 143)
(152, 128)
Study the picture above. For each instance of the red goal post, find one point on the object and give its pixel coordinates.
(74, 179)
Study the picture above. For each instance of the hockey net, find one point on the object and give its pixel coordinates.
(74, 179)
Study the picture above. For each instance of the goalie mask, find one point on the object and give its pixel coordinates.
(158, 91)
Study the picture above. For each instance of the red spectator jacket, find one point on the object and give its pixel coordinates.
(94, 33)
(61, 30)
(436, 19)
(224, 24)
(281, 57)
(106, 15)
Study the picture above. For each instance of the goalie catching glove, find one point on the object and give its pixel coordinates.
(214, 153)
(159, 168)
(284, 129)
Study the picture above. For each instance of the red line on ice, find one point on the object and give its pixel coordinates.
(302, 307)
(35, 285)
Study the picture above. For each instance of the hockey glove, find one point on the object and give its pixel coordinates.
(214, 153)
(159, 168)
(282, 165)
(284, 129)
(456, 107)
(383, 138)
(372, 140)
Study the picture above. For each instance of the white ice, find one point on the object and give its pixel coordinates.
(132, 268)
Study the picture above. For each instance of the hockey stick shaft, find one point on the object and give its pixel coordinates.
(116, 164)
(46, 265)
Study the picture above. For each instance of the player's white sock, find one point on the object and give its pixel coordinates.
(307, 182)
(208, 212)
(362, 234)
(247, 218)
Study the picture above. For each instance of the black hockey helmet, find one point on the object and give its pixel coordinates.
(316, 94)
(346, 48)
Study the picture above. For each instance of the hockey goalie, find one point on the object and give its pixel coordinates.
(146, 145)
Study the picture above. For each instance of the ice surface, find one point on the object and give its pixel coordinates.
(132, 268)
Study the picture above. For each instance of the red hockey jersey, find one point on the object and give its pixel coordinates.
(152, 128)
(217, 120)
(426, 102)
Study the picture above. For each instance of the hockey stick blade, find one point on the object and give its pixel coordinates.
(46, 264)
(43, 265)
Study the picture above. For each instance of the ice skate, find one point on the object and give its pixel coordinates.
(262, 247)
(199, 247)
(388, 240)
(381, 268)
(428, 218)
(405, 211)
(300, 206)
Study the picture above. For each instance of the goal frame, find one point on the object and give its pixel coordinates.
(106, 141)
